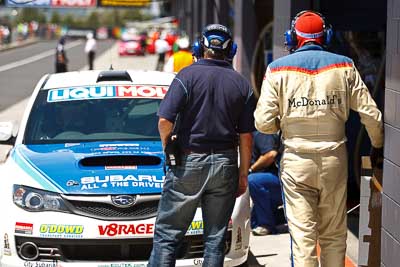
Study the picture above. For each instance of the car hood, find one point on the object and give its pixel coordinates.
(94, 167)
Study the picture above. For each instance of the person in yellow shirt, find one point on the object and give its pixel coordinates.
(180, 59)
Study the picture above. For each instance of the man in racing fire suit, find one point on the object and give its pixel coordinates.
(308, 95)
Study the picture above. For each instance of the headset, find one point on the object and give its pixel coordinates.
(215, 31)
(291, 35)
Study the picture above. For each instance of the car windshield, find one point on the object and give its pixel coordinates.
(89, 120)
(130, 40)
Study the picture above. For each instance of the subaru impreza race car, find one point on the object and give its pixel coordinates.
(82, 182)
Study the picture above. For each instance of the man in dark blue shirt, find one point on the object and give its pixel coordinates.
(215, 106)
(264, 185)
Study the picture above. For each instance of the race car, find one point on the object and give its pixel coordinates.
(131, 45)
(83, 179)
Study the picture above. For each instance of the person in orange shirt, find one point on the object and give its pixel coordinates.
(180, 59)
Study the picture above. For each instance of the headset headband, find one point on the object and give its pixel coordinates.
(291, 41)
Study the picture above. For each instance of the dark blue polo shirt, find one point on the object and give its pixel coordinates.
(262, 144)
(217, 104)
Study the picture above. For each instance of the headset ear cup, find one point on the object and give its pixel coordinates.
(197, 49)
(328, 35)
(290, 39)
(232, 51)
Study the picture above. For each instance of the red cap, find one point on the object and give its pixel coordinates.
(309, 26)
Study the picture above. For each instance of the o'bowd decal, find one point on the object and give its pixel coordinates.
(61, 229)
(195, 228)
(126, 229)
(98, 92)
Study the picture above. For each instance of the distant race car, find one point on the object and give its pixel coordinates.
(131, 45)
(82, 182)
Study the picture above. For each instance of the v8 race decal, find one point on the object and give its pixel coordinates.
(114, 229)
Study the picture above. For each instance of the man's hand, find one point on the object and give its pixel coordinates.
(376, 156)
(165, 129)
(242, 186)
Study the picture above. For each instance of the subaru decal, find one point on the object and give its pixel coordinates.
(123, 201)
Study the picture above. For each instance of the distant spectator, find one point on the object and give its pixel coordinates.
(61, 57)
(90, 49)
(162, 47)
(264, 185)
(143, 41)
(6, 34)
(182, 58)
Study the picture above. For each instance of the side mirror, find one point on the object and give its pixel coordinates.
(8, 132)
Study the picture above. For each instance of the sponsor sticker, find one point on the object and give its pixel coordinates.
(238, 239)
(98, 92)
(41, 264)
(73, 3)
(24, 3)
(23, 228)
(61, 231)
(114, 229)
(195, 228)
(117, 181)
(123, 265)
(128, 167)
(7, 250)
(198, 262)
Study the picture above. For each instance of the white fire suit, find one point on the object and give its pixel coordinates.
(308, 95)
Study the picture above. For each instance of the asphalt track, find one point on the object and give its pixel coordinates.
(21, 68)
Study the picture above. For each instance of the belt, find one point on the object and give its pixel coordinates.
(208, 151)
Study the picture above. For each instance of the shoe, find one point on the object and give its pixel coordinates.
(259, 230)
(282, 228)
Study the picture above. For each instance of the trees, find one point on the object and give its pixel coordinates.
(55, 18)
(93, 20)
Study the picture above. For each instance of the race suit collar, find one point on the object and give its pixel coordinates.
(308, 47)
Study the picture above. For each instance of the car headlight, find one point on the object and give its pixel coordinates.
(33, 199)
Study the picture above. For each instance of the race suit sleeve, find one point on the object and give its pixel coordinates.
(362, 102)
(266, 115)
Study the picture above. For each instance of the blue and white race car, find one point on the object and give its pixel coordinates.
(81, 184)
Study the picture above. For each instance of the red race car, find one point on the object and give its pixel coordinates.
(131, 45)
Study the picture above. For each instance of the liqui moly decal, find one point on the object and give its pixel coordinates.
(114, 229)
(98, 92)
(142, 91)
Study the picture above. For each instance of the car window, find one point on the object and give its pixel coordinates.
(92, 120)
